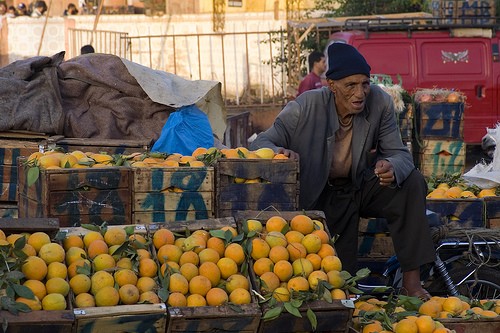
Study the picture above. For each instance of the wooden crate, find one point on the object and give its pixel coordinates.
(121, 318)
(42, 321)
(10, 150)
(224, 318)
(440, 120)
(172, 194)
(492, 212)
(110, 146)
(374, 240)
(279, 187)
(440, 157)
(472, 326)
(464, 11)
(77, 196)
(331, 317)
(467, 212)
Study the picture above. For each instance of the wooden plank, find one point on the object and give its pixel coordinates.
(439, 157)
(121, 318)
(375, 245)
(166, 216)
(12, 149)
(39, 321)
(468, 212)
(92, 202)
(19, 225)
(332, 317)
(8, 183)
(173, 201)
(110, 146)
(77, 220)
(184, 178)
(8, 210)
(214, 319)
(274, 171)
(472, 326)
(182, 226)
(440, 120)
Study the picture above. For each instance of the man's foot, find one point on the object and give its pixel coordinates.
(412, 286)
(421, 293)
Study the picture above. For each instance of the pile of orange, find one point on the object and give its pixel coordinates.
(202, 269)
(293, 256)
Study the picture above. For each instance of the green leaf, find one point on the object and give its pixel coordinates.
(10, 292)
(297, 303)
(238, 238)
(23, 291)
(129, 229)
(14, 276)
(363, 272)
(235, 307)
(60, 236)
(228, 235)
(312, 319)
(33, 174)
(163, 294)
(21, 307)
(91, 227)
(272, 313)
(20, 243)
(292, 310)
(218, 233)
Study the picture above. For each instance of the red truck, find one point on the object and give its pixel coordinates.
(464, 57)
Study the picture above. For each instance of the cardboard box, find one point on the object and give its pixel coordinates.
(172, 194)
(276, 185)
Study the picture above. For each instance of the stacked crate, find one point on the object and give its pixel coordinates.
(77, 196)
(172, 194)
(440, 147)
(256, 184)
(12, 146)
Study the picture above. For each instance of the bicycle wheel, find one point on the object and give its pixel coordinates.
(486, 286)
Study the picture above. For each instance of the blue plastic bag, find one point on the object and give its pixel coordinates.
(185, 130)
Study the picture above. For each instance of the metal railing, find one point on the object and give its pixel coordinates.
(111, 42)
(244, 62)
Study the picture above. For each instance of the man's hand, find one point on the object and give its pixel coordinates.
(384, 172)
(288, 153)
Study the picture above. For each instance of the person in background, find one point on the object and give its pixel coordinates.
(354, 164)
(39, 9)
(22, 10)
(87, 49)
(71, 10)
(3, 8)
(317, 67)
(11, 12)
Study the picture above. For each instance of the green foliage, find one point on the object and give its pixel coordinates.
(11, 261)
(372, 7)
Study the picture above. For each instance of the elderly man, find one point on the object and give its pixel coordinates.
(353, 163)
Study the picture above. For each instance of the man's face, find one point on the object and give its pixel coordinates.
(350, 93)
(321, 65)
